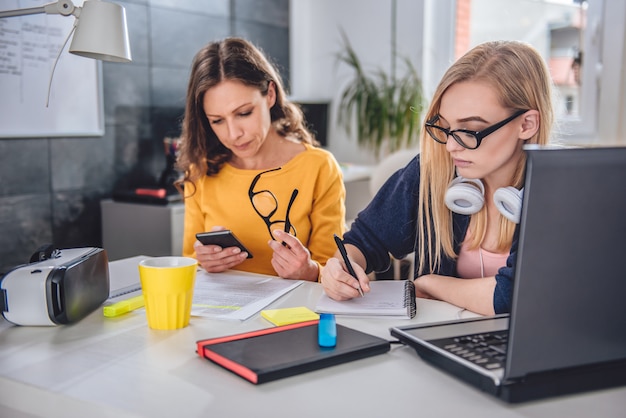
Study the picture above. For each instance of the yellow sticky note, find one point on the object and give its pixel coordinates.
(288, 316)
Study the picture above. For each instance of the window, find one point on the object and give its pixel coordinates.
(566, 32)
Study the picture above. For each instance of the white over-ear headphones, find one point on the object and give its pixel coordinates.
(467, 196)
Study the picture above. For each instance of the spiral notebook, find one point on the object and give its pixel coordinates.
(389, 298)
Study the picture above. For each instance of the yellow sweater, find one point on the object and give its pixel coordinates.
(317, 213)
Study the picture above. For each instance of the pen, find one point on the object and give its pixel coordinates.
(124, 306)
(344, 254)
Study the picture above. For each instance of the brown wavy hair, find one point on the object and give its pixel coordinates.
(236, 59)
(519, 76)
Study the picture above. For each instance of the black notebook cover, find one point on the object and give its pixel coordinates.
(274, 353)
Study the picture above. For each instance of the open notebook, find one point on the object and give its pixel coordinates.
(390, 298)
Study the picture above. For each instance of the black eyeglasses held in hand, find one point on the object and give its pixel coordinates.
(465, 137)
(265, 205)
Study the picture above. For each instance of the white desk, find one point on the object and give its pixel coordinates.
(119, 368)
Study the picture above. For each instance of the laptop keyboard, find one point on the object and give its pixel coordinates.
(487, 350)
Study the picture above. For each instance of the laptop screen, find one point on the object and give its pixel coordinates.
(569, 297)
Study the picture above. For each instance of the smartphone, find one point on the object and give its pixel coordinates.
(224, 239)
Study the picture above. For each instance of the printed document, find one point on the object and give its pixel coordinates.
(236, 295)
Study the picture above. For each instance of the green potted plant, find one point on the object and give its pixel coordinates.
(386, 110)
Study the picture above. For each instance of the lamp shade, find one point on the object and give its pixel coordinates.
(101, 32)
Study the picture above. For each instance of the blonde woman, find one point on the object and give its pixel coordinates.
(456, 203)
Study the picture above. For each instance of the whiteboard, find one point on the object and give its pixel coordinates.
(29, 46)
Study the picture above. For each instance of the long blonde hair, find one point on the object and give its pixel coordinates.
(519, 76)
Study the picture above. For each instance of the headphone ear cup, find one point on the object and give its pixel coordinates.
(465, 196)
(508, 200)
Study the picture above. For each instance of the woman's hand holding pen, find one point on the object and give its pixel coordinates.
(339, 284)
(215, 259)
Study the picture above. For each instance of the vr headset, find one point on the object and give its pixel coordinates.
(56, 287)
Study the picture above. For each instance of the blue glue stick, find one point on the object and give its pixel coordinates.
(327, 330)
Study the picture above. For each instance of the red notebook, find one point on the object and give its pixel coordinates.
(274, 353)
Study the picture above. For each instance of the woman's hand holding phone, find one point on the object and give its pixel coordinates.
(219, 250)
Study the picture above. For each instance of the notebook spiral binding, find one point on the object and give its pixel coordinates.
(409, 298)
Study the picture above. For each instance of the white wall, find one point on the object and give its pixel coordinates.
(315, 40)
(612, 109)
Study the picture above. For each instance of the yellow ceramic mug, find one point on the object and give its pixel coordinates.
(167, 285)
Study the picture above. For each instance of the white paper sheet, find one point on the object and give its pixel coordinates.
(237, 296)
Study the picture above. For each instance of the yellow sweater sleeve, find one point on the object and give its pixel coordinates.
(328, 213)
(194, 221)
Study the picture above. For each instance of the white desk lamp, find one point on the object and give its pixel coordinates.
(100, 30)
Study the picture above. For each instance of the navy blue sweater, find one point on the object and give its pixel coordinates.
(389, 225)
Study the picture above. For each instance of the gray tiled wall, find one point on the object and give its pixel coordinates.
(50, 189)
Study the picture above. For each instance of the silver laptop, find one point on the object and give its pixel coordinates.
(566, 332)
